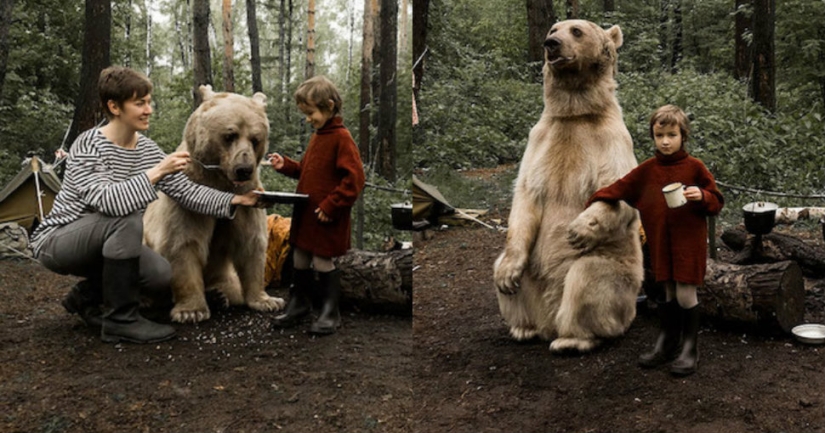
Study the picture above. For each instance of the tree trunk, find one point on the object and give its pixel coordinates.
(572, 9)
(254, 46)
(676, 55)
(202, 58)
(365, 103)
(540, 17)
(377, 282)
(97, 38)
(183, 38)
(387, 109)
(763, 78)
(664, 32)
(6, 10)
(288, 69)
(743, 19)
(127, 61)
(364, 106)
(403, 33)
(375, 84)
(609, 6)
(421, 12)
(309, 70)
(149, 58)
(772, 248)
(767, 296)
(228, 48)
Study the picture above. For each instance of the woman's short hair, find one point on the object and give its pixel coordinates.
(317, 91)
(121, 84)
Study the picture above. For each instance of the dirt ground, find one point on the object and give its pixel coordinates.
(469, 376)
(230, 374)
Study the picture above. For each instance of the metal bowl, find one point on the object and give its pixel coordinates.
(809, 333)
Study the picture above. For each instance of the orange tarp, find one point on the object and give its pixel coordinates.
(277, 248)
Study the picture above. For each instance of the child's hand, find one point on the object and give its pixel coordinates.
(322, 216)
(693, 193)
(276, 160)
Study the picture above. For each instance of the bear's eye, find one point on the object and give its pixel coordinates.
(577, 33)
(230, 137)
(254, 141)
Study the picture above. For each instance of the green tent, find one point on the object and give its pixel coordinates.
(428, 203)
(29, 196)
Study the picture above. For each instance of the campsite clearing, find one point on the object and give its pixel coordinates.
(470, 376)
(229, 374)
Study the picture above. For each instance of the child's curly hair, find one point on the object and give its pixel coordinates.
(318, 91)
(671, 115)
(120, 84)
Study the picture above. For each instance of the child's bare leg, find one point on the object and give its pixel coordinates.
(686, 295)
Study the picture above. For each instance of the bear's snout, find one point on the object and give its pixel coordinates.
(552, 44)
(244, 172)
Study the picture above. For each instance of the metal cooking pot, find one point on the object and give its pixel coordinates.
(760, 217)
(402, 218)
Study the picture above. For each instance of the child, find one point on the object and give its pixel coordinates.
(95, 227)
(677, 237)
(332, 174)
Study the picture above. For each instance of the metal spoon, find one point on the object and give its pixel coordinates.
(207, 166)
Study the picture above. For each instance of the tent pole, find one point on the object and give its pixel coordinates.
(36, 170)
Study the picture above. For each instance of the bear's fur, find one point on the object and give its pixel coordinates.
(566, 272)
(227, 255)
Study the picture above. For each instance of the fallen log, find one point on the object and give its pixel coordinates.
(378, 282)
(767, 296)
(790, 215)
(773, 248)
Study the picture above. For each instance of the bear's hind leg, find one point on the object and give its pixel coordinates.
(519, 311)
(598, 302)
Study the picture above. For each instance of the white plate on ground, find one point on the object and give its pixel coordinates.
(809, 333)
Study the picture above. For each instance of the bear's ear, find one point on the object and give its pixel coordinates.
(206, 92)
(615, 35)
(260, 98)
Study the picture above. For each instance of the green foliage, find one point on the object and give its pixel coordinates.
(32, 111)
(478, 105)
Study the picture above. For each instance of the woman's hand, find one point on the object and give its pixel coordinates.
(249, 199)
(173, 163)
(693, 193)
(276, 161)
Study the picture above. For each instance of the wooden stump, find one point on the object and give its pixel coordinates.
(377, 282)
(766, 295)
(773, 248)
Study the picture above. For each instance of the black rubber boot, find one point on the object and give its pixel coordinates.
(299, 305)
(121, 300)
(667, 343)
(685, 364)
(329, 289)
(84, 299)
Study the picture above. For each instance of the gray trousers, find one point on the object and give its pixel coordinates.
(79, 248)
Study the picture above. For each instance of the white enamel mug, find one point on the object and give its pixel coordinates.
(674, 194)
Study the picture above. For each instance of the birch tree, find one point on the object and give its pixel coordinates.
(228, 47)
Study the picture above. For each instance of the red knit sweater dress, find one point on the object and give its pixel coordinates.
(332, 174)
(677, 237)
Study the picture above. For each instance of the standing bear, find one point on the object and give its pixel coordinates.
(566, 272)
(226, 137)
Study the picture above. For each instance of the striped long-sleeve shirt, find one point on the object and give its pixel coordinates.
(102, 177)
